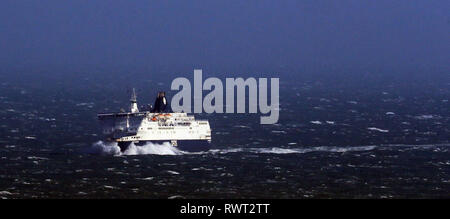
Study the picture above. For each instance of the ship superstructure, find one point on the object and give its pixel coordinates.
(155, 125)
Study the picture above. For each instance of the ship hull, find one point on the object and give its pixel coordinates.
(184, 145)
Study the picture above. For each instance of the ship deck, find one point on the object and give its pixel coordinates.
(108, 115)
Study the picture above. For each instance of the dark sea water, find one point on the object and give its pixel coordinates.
(333, 140)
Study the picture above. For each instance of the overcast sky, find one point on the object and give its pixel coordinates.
(220, 34)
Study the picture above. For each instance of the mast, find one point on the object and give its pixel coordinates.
(133, 101)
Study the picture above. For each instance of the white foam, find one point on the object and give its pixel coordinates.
(278, 132)
(37, 158)
(5, 193)
(112, 148)
(425, 117)
(150, 148)
(101, 147)
(331, 149)
(278, 150)
(377, 129)
(105, 148)
(173, 172)
(147, 178)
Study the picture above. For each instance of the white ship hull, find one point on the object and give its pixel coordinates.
(184, 145)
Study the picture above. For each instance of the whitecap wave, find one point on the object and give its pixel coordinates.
(112, 148)
(104, 148)
(331, 149)
(279, 150)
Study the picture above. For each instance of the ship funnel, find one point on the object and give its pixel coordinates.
(160, 103)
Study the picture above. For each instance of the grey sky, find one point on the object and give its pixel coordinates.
(220, 34)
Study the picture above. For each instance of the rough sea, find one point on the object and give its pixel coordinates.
(388, 139)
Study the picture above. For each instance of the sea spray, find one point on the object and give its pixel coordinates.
(152, 148)
(112, 148)
(104, 148)
(278, 150)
